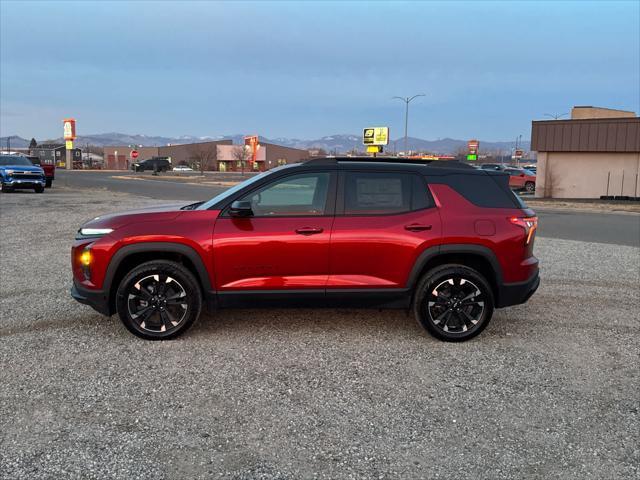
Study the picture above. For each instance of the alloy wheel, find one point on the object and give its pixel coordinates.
(456, 305)
(157, 303)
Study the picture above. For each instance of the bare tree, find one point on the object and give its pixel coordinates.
(204, 154)
(461, 153)
(241, 154)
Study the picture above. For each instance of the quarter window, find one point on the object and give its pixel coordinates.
(297, 195)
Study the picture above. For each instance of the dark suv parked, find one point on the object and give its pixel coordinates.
(446, 240)
(157, 164)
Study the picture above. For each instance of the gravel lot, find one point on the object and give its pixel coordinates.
(549, 390)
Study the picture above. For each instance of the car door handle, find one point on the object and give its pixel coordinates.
(309, 230)
(417, 227)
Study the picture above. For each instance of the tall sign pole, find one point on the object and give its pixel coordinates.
(69, 125)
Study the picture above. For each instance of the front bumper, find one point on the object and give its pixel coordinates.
(517, 293)
(24, 182)
(96, 299)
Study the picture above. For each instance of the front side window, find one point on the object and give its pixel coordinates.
(298, 195)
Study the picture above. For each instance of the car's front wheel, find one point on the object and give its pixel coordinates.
(5, 188)
(159, 300)
(453, 302)
(39, 189)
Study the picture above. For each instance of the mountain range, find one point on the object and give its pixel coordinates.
(339, 143)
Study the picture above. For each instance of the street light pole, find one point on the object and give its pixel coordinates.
(406, 100)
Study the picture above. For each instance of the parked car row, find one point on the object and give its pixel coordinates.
(519, 178)
(159, 164)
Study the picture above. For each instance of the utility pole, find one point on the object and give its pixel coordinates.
(407, 100)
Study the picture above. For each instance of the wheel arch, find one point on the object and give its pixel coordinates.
(478, 257)
(130, 256)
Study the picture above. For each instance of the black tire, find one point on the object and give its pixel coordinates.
(48, 183)
(446, 315)
(165, 303)
(6, 189)
(38, 189)
(530, 187)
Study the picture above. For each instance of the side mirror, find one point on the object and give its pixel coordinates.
(522, 174)
(241, 208)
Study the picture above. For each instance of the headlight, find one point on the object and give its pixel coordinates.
(95, 232)
(9, 172)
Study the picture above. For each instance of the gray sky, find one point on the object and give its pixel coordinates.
(305, 70)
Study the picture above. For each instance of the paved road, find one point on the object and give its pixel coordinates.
(619, 229)
(162, 190)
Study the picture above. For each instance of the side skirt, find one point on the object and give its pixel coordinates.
(344, 298)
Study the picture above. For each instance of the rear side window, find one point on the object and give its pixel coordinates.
(383, 193)
(488, 190)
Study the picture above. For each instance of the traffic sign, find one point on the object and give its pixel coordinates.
(375, 136)
(134, 154)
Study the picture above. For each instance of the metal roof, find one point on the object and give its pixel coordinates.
(587, 135)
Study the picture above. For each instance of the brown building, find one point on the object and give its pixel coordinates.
(218, 155)
(595, 153)
(119, 157)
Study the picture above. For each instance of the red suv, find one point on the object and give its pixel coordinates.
(444, 239)
(519, 179)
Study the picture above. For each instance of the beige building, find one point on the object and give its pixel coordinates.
(595, 153)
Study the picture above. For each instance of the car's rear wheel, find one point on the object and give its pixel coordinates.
(530, 187)
(159, 300)
(453, 302)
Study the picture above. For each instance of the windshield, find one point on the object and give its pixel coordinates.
(10, 160)
(238, 187)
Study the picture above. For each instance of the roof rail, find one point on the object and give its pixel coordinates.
(415, 161)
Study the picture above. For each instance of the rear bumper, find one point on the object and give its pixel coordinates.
(517, 293)
(96, 299)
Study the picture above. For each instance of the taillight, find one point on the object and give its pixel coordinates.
(530, 224)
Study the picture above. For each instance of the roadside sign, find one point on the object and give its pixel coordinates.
(473, 146)
(374, 148)
(134, 154)
(518, 154)
(472, 157)
(69, 125)
(375, 136)
(68, 144)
